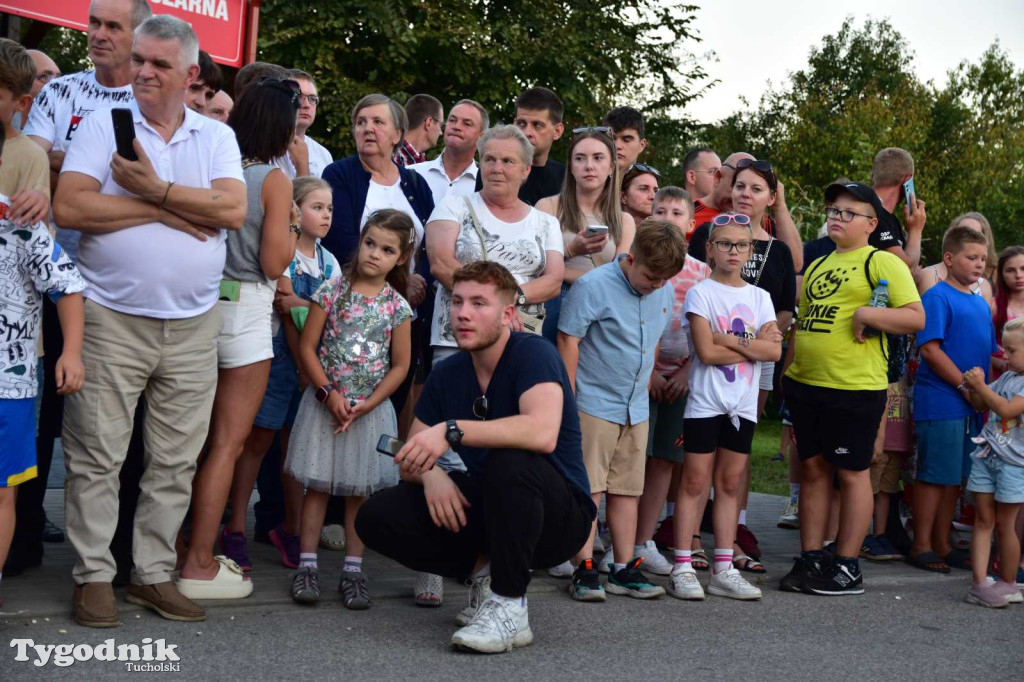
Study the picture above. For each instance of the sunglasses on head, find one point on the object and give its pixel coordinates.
(756, 164)
(592, 129)
(723, 219)
(293, 86)
(639, 168)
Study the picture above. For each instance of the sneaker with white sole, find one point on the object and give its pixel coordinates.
(731, 584)
(683, 583)
(586, 583)
(654, 561)
(1010, 591)
(497, 627)
(790, 517)
(630, 582)
(562, 570)
(479, 592)
(606, 563)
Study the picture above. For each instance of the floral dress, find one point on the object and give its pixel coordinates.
(355, 354)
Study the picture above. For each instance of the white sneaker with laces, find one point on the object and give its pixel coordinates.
(654, 561)
(790, 517)
(497, 627)
(479, 592)
(562, 570)
(731, 584)
(606, 563)
(683, 583)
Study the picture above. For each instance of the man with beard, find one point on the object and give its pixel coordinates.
(504, 403)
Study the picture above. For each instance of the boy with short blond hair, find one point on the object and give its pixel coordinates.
(609, 329)
(957, 336)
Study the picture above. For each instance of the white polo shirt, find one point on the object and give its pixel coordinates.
(152, 270)
(319, 158)
(433, 172)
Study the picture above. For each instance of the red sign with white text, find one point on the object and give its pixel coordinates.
(220, 24)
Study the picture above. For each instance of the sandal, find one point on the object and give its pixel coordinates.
(332, 537)
(750, 564)
(929, 561)
(958, 558)
(429, 589)
(699, 558)
(229, 583)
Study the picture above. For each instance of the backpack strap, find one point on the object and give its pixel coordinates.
(867, 269)
(883, 337)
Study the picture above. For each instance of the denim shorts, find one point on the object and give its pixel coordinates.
(944, 450)
(281, 401)
(994, 475)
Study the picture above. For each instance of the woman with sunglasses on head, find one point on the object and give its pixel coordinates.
(589, 200)
(257, 255)
(770, 267)
(639, 185)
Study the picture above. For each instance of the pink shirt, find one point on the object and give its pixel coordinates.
(675, 349)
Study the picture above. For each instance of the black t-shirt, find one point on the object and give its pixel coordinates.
(778, 276)
(543, 181)
(528, 360)
(888, 233)
(817, 248)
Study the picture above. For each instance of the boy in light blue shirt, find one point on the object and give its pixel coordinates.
(608, 335)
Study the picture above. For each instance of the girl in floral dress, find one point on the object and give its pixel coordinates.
(356, 350)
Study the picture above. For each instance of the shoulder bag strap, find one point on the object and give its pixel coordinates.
(476, 226)
(766, 252)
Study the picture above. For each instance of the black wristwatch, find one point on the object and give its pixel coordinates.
(323, 393)
(295, 229)
(454, 434)
(520, 297)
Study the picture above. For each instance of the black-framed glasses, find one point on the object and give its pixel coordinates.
(292, 85)
(844, 215)
(643, 168)
(480, 408)
(592, 129)
(726, 247)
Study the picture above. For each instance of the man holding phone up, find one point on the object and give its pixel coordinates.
(505, 405)
(152, 254)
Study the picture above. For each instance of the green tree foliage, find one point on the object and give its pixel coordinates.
(595, 54)
(860, 94)
(67, 47)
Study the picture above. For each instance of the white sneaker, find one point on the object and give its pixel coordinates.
(497, 627)
(598, 545)
(684, 584)
(562, 570)
(606, 563)
(790, 517)
(731, 584)
(479, 592)
(654, 561)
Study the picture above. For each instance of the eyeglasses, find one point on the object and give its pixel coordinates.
(591, 129)
(312, 99)
(726, 247)
(844, 215)
(723, 219)
(292, 85)
(480, 408)
(756, 164)
(46, 76)
(709, 170)
(643, 168)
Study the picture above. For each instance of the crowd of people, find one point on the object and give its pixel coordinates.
(458, 361)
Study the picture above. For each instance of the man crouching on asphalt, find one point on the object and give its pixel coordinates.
(505, 405)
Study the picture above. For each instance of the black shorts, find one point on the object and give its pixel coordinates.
(707, 434)
(838, 425)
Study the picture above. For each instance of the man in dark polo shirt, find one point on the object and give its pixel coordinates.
(505, 405)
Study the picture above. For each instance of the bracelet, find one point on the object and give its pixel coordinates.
(166, 192)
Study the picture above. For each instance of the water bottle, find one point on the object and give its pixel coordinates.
(879, 299)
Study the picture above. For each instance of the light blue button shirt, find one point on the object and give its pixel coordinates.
(620, 330)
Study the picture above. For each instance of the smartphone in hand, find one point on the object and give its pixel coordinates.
(909, 193)
(594, 230)
(389, 445)
(124, 132)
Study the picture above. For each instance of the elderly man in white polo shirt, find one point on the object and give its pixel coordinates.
(152, 253)
(454, 170)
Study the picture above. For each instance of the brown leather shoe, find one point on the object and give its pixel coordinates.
(165, 599)
(94, 606)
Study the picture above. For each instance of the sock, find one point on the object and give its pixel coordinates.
(743, 517)
(617, 567)
(723, 559)
(353, 564)
(670, 508)
(851, 563)
(483, 572)
(813, 554)
(511, 601)
(683, 556)
(794, 492)
(307, 560)
(638, 549)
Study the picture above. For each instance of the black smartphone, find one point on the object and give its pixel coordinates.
(389, 445)
(124, 132)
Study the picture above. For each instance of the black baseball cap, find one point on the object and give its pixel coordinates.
(858, 191)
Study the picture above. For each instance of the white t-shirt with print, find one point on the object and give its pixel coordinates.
(521, 247)
(725, 389)
(319, 158)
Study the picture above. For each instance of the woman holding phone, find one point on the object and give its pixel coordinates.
(595, 230)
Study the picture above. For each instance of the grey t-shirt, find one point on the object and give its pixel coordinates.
(243, 246)
(1005, 436)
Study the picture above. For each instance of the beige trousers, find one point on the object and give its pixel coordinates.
(174, 364)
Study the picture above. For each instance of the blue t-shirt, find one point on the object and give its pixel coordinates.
(620, 330)
(963, 325)
(528, 360)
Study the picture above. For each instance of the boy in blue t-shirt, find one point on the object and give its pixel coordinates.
(957, 336)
